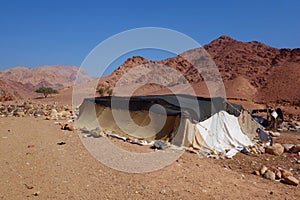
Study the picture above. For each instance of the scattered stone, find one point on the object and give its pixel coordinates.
(274, 134)
(71, 128)
(64, 114)
(254, 150)
(256, 172)
(160, 145)
(36, 193)
(277, 149)
(29, 187)
(263, 170)
(276, 172)
(54, 114)
(39, 112)
(163, 191)
(288, 147)
(291, 180)
(261, 149)
(50, 111)
(285, 173)
(96, 133)
(269, 175)
(19, 113)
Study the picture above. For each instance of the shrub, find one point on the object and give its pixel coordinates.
(101, 91)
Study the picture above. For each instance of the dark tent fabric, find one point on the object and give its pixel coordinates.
(196, 108)
(160, 117)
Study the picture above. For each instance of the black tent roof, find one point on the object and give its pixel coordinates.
(197, 108)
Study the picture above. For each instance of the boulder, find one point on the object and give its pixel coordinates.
(277, 149)
(288, 147)
(269, 175)
(291, 180)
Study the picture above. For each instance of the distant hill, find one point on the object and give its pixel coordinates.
(250, 70)
(21, 82)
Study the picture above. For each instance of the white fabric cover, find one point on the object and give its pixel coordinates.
(222, 132)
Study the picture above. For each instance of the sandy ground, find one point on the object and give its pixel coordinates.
(34, 166)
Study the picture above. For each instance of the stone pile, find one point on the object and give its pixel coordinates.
(49, 111)
(277, 173)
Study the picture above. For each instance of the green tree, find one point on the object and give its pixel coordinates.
(46, 91)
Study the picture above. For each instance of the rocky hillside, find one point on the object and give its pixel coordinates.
(250, 70)
(21, 82)
(275, 73)
(57, 77)
(12, 90)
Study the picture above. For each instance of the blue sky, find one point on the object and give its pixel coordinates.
(36, 33)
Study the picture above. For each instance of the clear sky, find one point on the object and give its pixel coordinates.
(35, 33)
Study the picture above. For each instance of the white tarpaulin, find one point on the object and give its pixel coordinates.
(222, 132)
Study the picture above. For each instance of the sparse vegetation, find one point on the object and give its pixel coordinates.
(109, 91)
(103, 91)
(46, 91)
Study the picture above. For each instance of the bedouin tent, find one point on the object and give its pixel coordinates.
(183, 120)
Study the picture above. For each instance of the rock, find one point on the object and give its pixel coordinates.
(274, 134)
(291, 180)
(296, 148)
(36, 193)
(54, 114)
(39, 112)
(256, 172)
(19, 114)
(285, 173)
(261, 149)
(276, 172)
(269, 175)
(254, 150)
(277, 149)
(288, 147)
(64, 114)
(70, 127)
(28, 186)
(263, 170)
(160, 145)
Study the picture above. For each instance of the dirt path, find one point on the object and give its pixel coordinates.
(32, 162)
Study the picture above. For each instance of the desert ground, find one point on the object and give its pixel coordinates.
(34, 166)
(39, 160)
